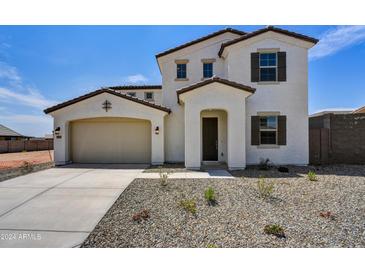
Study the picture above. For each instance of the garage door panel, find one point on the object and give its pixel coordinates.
(111, 141)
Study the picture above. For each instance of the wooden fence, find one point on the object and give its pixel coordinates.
(25, 145)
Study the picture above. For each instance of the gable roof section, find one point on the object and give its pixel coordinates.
(105, 90)
(136, 87)
(201, 39)
(5, 131)
(261, 31)
(214, 80)
(359, 110)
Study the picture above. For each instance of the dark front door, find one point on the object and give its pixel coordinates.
(210, 139)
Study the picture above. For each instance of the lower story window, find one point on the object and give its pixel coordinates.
(148, 96)
(133, 94)
(268, 130)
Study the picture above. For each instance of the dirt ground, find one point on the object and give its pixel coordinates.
(14, 160)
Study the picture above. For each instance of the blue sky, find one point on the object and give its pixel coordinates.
(44, 65)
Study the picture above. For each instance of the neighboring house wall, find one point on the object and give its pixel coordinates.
(174, 124)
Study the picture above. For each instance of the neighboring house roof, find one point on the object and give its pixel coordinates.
(214, 80)
(332, 111)
(5, 131)
(360, 110)
(260, 31)
(136, 87)
(200, 40)
(110, 91)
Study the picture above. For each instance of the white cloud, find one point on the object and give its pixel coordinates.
(32, 98)
(337, 39)
(135, 79)
(9, 73)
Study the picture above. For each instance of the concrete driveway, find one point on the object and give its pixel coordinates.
(59, 207)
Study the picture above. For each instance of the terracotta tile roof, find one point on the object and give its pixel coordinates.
(136, 87)
(201, 39)
(106, 90)
(260, 31)
(5, 131)
(359, 110)
(214, 80)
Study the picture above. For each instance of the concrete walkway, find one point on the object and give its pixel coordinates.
(210, 174)
(59, 207)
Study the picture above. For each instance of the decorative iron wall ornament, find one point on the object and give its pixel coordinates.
(107, 105)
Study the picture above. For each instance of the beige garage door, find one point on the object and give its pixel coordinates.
(110, 140)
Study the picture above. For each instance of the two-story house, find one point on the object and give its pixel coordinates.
(229, 97)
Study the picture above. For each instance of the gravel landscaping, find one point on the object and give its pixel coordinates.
(171, 168)
(329, 212)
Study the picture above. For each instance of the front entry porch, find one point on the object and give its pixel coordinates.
(215, 117)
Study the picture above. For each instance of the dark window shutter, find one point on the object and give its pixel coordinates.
(255, 67)
(255, 130)
(282, 130)
(282, 66)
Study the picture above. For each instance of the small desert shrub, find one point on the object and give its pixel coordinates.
(210, 196)
(142, 215)
(312, 176)
(212, 246)
(264, 164)
(276, 230)
(265, 189)
(164, 177)
(188, 205)
(27, 166)
(327, 215)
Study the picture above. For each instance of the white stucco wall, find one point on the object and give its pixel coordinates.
(215, 96)
(174, 124)
(289, 98)
(92, 108)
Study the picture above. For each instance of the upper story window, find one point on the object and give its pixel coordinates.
(181, 71)
(207, 70)
(133, 94)
(268, 67)
(148, 96)
(268, 130)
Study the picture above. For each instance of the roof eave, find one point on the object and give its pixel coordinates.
(261, 31)
(211, 81)
(100, 91)
(201, 39)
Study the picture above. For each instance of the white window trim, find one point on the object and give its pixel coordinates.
(269, 130)
(276, 67)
